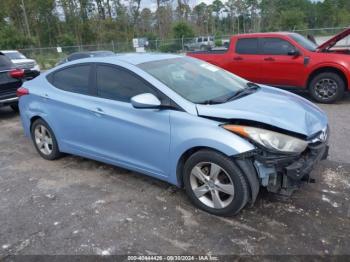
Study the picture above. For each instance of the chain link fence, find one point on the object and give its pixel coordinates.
(48, 57)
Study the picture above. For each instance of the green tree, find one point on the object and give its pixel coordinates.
(182, 29)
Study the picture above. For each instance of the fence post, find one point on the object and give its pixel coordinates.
(182, 43)
(113, 46)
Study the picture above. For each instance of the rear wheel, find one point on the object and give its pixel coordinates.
(15, 107)
(44, 140)
(215, 184)
(327, 87)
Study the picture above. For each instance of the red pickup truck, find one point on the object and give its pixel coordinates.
(287, 60)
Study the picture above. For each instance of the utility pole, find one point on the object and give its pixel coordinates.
(26, 19)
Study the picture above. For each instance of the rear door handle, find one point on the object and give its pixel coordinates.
(269, 59)
(238, 58)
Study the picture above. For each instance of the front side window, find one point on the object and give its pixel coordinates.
(73, 79)
(200, 40)
(249, 46)
(276, 46)
(304, 42)
(118, 84)
(195, 80)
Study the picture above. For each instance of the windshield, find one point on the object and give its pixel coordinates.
(15, 55)
(304, 42)
(195, 80)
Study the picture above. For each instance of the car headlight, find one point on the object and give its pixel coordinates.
(269, 139)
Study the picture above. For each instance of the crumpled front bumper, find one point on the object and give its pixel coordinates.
(284, 174)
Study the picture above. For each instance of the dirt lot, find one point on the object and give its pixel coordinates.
(79, 206)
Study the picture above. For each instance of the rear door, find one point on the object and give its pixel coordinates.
(245, 62)
(69, 107)
(278, 67)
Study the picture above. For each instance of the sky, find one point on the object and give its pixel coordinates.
(152, 3)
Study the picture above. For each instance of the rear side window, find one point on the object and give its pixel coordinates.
(247, 46)
(276, 46)
(5, 63)
(73, 79)
(200, 40)
(118, 84)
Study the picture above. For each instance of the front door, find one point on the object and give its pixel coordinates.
(280, 67)
(135, 138)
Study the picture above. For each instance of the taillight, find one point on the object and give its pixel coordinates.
(22, 91)
(17, 73)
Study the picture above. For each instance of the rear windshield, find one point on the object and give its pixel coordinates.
(5, 63)
(15, 55)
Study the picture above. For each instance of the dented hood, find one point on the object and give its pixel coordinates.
(273, 107)
(335, 39)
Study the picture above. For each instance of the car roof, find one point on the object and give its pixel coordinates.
(91, 52)
(267, 34)
(131, 58)
(8, 51)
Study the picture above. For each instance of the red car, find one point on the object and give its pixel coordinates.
(287, 60)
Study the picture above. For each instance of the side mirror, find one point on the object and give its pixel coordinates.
(294, 52)
(146, 100)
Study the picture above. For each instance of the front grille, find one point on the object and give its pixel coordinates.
(27, 65)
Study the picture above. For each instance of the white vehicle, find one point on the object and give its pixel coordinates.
(200, 43)
(20, 61)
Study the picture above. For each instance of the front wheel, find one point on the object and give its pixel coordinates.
(327, 87)
(215, 183)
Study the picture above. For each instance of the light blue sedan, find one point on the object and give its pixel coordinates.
(178, 119)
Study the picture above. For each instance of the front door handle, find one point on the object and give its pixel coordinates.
(238, 58)
(270, 59)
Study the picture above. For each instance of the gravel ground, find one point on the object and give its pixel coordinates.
(79, 206)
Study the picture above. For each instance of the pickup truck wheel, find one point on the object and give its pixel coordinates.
(327, 87)
(44, 140)
(215, 183)
(203, 48)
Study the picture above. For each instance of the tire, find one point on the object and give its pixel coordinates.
(15, 108)
(225, 204)
(203, 48)
(327, 87)
(49, 151)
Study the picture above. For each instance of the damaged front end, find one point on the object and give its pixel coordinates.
(284, 173)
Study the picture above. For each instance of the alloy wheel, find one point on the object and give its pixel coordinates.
(43, 139)
(326, 88)
(212, 185)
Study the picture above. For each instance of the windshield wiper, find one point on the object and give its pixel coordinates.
(251, 88)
